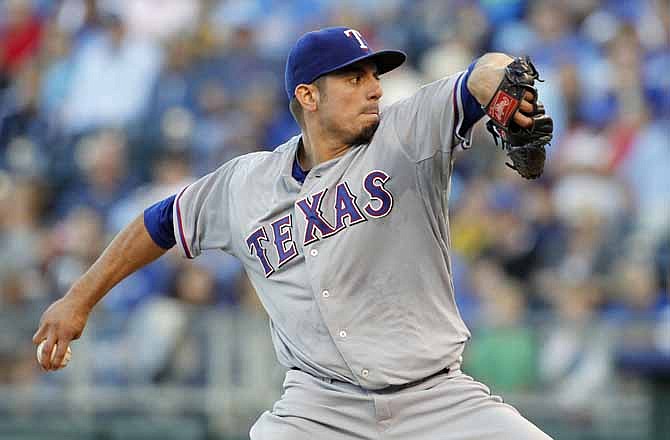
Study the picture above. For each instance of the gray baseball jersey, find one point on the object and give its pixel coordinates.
(353, 265)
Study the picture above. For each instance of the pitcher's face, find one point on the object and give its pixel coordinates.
(349, 102)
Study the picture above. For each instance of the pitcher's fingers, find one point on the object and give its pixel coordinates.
(40, 334)
(47, 349)
(61, 349)
(526, 106)
(523, 120)
(528, 96)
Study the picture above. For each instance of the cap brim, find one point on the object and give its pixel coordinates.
(386, 60)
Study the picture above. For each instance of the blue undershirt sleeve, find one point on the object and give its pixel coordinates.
(472, 110)
(158, 221)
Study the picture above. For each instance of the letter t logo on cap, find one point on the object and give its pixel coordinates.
(359, 37)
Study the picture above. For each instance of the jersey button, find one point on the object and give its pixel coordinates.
(325, 294)
(314, 252)
(343, 333)
(365, 372)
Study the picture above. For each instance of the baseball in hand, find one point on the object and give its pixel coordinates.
(66, 359)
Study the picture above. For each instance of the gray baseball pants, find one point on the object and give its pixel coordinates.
(449, 406)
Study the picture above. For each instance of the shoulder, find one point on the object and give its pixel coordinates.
(269, 159)
(242, 166)
(252, 160)
(428, 98)
(260, 165)
(429, 91)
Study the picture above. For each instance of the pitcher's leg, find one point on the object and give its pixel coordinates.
(272, 427)
(458, 408)
(313, 409)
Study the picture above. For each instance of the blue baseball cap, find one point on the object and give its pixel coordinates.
(324, 51)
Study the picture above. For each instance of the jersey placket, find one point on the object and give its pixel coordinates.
(317, 263)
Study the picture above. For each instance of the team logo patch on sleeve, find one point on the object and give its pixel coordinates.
(502, 107)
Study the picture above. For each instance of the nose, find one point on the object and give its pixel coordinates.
(376, 91)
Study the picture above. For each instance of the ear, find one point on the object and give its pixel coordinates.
(308, 96)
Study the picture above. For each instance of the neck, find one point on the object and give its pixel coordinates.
(318, 147)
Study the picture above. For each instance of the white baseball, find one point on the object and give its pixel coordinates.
(66, 359)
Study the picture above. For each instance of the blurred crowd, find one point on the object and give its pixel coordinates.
(109, 106)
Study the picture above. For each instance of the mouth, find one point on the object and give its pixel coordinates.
(371, 111)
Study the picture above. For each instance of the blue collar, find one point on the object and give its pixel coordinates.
(297, 172)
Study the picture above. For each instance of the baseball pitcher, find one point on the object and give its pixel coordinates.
(344, 233)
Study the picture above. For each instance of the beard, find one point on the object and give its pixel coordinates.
(365, 135)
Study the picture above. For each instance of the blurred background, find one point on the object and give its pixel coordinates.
(109, 106)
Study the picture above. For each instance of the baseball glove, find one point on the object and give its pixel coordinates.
(523, 146)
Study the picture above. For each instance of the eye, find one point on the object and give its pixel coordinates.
(355, 79)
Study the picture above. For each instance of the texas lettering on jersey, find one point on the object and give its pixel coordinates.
(278, 236)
